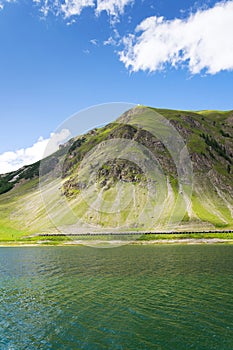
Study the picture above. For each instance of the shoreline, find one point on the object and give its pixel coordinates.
(98, 243)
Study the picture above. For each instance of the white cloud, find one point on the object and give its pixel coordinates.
(110, 41)
(66, 9)
(203, 42)
(75, 7)
(94, 42)
(113, 7)
(3, 2)
(13, 160)
(113, 40)
(55, 140)
(70, 8)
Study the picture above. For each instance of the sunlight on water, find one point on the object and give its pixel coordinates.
(133, 297)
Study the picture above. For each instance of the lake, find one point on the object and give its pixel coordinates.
(132, 297)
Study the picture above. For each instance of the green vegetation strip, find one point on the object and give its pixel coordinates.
(198, 235)
(60, 239)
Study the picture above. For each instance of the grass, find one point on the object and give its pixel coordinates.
(196, 144)
(198, 235)
(14, 225)
(10, 234)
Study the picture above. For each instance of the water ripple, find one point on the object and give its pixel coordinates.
(161, 297)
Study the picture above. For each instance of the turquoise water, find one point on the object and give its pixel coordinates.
(133, 297)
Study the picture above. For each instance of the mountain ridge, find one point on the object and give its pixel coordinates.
(209, 141)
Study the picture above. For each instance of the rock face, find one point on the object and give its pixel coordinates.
(120, 170)
(208, 138)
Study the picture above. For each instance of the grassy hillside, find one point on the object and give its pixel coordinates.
(134, 174)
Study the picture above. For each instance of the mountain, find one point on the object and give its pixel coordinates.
(150, 170)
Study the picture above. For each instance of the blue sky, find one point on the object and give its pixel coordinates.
(58, 59)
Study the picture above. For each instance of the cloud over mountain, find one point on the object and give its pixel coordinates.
(13, 160)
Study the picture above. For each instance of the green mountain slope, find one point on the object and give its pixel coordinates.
(150, 170)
